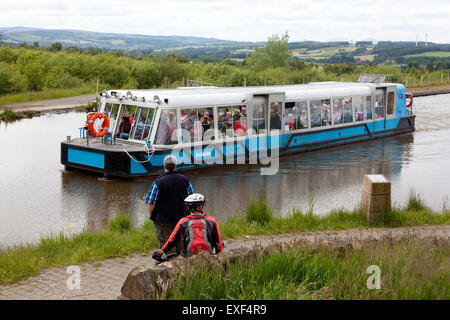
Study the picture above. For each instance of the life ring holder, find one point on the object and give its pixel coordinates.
(105, 125)
(410, 96)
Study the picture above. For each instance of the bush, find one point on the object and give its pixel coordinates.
(11, 80)
(259, 211)
(121, 223)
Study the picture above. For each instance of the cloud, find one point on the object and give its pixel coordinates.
(240, 20)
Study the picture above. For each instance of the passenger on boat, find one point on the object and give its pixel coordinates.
(337, 112)
(197, 231)
(359, 115)
(165, 200)
(240, 126)
(124, 128)
(304, 118)
(325, 115)
(275, 121)
(315, 116)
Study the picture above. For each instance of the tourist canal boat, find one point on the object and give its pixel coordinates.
(209, 126)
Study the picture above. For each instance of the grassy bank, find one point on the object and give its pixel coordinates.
(120, 239)
(408, 270)
(46, 94)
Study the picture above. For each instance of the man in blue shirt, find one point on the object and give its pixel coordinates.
(166, 200)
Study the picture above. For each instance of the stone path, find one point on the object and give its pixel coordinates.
(104, 279)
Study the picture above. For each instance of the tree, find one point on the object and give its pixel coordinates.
(147, 75)
(276, 54)
(57, 46)
(277, 50)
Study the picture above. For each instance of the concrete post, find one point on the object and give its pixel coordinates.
(376, 197)
(421, 79)
(265, 81)
(182, 82)
(429, 79)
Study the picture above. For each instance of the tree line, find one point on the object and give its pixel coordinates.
(33, 68)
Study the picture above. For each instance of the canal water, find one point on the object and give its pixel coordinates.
(37, 197)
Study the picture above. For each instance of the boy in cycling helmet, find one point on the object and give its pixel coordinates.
(197, 231)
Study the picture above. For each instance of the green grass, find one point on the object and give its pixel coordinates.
(436, 54)
(8, 115)
(409, 270)
(120, 239)
(46, 94)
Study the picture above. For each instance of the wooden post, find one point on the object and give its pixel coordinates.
(442, 78)
(421, 79)
(182, 82)
(167, 82)
(284, 80)
(429, 79)
(265, 81)
(225, 81)
(303, 80)
(245, 81)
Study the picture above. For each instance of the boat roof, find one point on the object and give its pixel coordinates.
(204, 96)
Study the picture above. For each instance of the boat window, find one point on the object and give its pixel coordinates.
(166, 133)
(275, 116)
(390, 103)
(348, 110)
(144, 123)
(128, 112)
(232, 121)
(358, 107)
(198, 123)
(325, 112)
(379, 106)
(296, 115)
(368, 108)
(338, 111)
(302, 115)
(112, 109)
(314, 111)
(259, 118)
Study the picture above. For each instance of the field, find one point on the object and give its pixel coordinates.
(436, 54)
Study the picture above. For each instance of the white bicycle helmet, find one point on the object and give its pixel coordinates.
(194, 201)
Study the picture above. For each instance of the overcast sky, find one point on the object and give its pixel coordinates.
(251, 20)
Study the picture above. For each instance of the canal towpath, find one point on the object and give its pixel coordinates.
(102, 280)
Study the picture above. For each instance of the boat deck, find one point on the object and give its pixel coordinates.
(97, 144)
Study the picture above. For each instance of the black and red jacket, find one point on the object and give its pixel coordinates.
(198, 232)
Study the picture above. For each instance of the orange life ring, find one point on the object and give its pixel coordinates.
(410, 96)
(105, 124)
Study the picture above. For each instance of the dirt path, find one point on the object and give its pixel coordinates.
(430, 90)
(54, 104)
(104, 279)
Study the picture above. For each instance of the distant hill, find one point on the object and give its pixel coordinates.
(45, 37)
